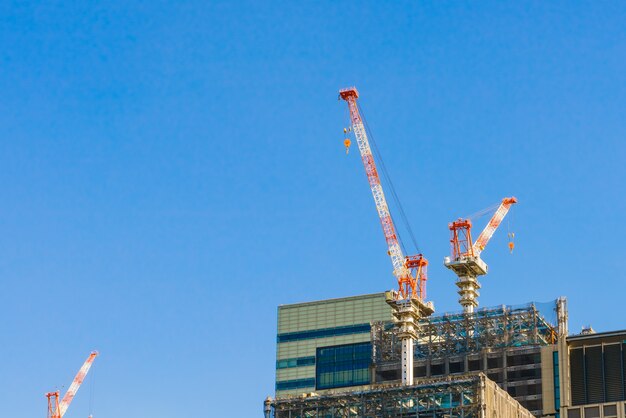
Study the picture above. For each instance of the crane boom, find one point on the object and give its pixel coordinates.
(78, 380)
(406, 283)
(408, 305)
(494, 223)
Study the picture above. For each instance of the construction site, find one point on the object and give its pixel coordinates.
(389, 354)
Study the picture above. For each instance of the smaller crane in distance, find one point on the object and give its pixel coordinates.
(465, 259)
(57, 409)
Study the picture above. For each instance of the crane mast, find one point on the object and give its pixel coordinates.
(465, 259)
(409, 302)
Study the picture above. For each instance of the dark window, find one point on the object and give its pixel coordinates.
(573, 413)
(524, 390)
(437, 369)
(343, 365)
(516, 375)
(523, 359)
(610, 410)
(557, 384)
(532, 405)
(295, 384)
(456, 367)
(593, 374)
(613, 372)
(420, 371)
(494, 363)
(322, 333)
(474, 365)
(592, 411)
(577, 376)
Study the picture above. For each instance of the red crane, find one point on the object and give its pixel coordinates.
(465, 259)
(408, 302)
(56, 409)
(410, 271)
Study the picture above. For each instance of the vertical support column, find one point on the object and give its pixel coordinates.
(563, 353)
(407, 313)
(468, 292)
(407, 361)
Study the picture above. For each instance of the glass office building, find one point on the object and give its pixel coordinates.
(326, 344)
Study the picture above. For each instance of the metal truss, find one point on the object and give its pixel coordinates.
(462, 333)
(437, 398)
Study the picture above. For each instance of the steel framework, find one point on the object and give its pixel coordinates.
(460, 333)
(468, 396)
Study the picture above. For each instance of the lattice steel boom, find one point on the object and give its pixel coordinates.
(409, 286)
(56, 409)
(494, 223)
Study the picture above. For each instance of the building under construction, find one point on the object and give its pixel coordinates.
(346, 353)
(387, 355)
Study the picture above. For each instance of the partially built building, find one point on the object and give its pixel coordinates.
(344, 355)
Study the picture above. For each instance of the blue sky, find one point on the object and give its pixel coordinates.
(173, 171)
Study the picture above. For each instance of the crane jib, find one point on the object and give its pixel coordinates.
(407, 283)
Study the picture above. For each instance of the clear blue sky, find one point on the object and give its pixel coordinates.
(172, 171)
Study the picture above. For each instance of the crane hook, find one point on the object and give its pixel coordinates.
(511, 243)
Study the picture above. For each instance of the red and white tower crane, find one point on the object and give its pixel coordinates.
(57, 409)
(409, 301)
(465, 259)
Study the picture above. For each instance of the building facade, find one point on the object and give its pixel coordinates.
(326, 344)
(594, 376)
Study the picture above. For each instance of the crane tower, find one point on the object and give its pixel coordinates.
(408, 302)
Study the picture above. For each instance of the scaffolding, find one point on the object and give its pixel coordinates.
(462, 333)
(504, 342)
(469, 396)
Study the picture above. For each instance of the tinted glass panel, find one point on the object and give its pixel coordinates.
(323, 332)
(343, 365)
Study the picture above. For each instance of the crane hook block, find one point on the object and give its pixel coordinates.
(346, 143)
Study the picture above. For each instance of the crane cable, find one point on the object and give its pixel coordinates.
(392, 189)
(483, 212)
(92, 389)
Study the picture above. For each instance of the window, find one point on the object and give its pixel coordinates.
(295, 362)
(474, 365)
(597, 373)
(456, 367)
(592, 412)
(573, 413)
(437, 369)
(322, 333)
(557, 384)
(295, 384)
(343, 365)
(610, 410)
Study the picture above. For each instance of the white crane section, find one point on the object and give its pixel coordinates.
(395, 252)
